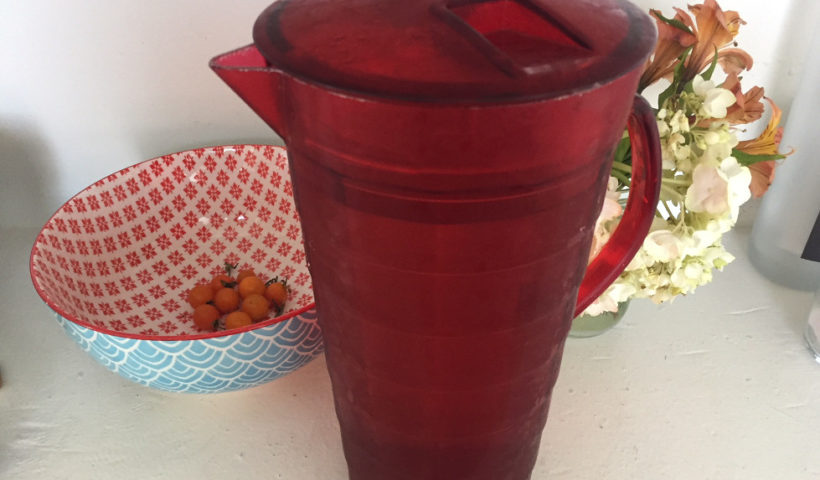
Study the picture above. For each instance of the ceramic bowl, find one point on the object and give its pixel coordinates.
(116, 263)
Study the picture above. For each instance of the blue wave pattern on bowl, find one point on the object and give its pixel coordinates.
(210, 365)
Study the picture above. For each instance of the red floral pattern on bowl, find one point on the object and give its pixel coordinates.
(120, 257)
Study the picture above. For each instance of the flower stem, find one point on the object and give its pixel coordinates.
(676, 182)
(682, 221)
(621, 177)
(671, 193)
(622, 167)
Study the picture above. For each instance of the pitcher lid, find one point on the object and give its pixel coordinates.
(455, 50)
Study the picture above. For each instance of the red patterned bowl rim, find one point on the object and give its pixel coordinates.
(137, 336)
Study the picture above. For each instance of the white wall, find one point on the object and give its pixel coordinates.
(90, 86)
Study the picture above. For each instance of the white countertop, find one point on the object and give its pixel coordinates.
(718, 385)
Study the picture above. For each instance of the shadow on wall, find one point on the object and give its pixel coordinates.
(26, 182)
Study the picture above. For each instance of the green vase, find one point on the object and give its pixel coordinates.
(584, 326)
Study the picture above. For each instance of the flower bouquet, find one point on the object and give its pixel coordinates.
(707, 173)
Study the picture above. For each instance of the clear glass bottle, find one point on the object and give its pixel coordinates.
(812, 333)
(785, 241)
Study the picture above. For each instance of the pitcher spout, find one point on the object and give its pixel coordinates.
(248, 74)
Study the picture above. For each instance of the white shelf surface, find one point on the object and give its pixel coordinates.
(718, 385)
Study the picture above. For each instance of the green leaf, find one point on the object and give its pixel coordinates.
(623, 152)
(746, 159)
(672, 22)
(664, 96)
(675, 87)
(707, 75)
(623, 180)
(681, 62)
(684, 87)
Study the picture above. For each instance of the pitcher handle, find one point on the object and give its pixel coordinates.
(640, 207)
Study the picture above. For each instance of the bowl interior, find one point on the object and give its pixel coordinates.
(122, 254)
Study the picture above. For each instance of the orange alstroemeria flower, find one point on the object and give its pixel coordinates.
(766, 144)
(672, 42)
(748, 106)
(762, 177)
(714, 29)
(734, 60)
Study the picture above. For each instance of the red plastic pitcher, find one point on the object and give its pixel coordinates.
(449, 160)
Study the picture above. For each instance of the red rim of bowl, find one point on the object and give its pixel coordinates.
(138, 336)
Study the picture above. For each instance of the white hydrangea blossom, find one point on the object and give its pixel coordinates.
(611, 211)
(716, 101)
(739, 178)
(617, 293)
(715, 143)
(704, 182)
(719, 190)
(671, 129)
